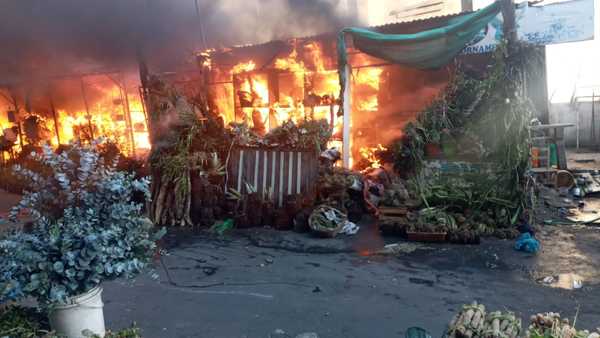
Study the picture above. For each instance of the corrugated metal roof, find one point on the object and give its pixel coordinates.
(386, 27)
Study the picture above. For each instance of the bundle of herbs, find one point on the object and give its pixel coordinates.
(476, 120)
(307, 134)
(189, 145)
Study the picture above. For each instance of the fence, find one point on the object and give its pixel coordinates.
(273, 173)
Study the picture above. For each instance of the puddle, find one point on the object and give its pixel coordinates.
(568, 281)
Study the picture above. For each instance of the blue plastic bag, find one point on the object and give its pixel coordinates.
(526, 242)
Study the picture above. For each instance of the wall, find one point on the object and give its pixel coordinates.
(378, 12)
(564, 113)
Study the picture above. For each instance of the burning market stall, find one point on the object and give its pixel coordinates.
(265, 85)
(464, 158)
(73, 107)
(250, 139)
(59, 110)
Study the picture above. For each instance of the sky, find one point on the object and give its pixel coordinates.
(571, 65)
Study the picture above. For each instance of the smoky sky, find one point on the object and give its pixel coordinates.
(42, 38)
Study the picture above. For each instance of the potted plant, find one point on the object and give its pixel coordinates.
(86, 228)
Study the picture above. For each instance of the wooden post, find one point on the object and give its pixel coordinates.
(87, 110)
(128, 113)
(347, 107)
(13, 97)
(508, 14)
(593, 119)
(143, 100)
(54, 117)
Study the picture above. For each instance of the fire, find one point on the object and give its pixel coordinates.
(368, 76)
(290, 63)
(316, 55)
(243, 67)
(113, 114)
(368, 81)
(370, 154)
(306, 89)
(302, 84)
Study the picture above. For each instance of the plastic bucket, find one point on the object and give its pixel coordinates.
(83, 312)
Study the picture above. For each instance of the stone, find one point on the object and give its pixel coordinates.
(279, 333)
(308, 335)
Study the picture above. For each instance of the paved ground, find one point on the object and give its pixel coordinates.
(253, 282)
(230, 287)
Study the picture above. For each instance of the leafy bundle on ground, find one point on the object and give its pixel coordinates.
(478, 121)
(472, 321)
(189, 143)
(25, 322)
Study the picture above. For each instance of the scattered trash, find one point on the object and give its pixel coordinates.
(332, 154)
(548, 280)
(526, 242)
(350, 228)
(568, 281)
(269, 260)
(221, 227)
(398, 248)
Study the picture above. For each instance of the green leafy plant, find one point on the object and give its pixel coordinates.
(130, 332)
(22, 322)
(486, 121)
(434, 220)
(86, 228)
(27, 322)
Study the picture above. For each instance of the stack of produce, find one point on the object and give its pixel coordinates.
(433, 220)
(550, 325)
(469, 322)
(395, 194)
(332, 187)
(502, 325)
(472, 321)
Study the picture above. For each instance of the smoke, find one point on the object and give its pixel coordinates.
(42, 38)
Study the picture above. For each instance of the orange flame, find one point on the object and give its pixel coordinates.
(306, 87)
(108, 117)
(243, 67)
(369, 153)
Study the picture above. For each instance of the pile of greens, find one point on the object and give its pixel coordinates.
(24, 322)
(476, 120)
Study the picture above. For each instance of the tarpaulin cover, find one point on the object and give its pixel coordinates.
(428, 49)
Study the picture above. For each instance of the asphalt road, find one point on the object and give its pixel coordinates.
(251, 283)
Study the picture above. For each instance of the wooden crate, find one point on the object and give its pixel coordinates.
(428, 237)
(392, 220)
(393, 211)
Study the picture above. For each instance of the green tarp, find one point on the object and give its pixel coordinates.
(433, 48)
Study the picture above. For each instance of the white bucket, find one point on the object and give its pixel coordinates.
(83, 312)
